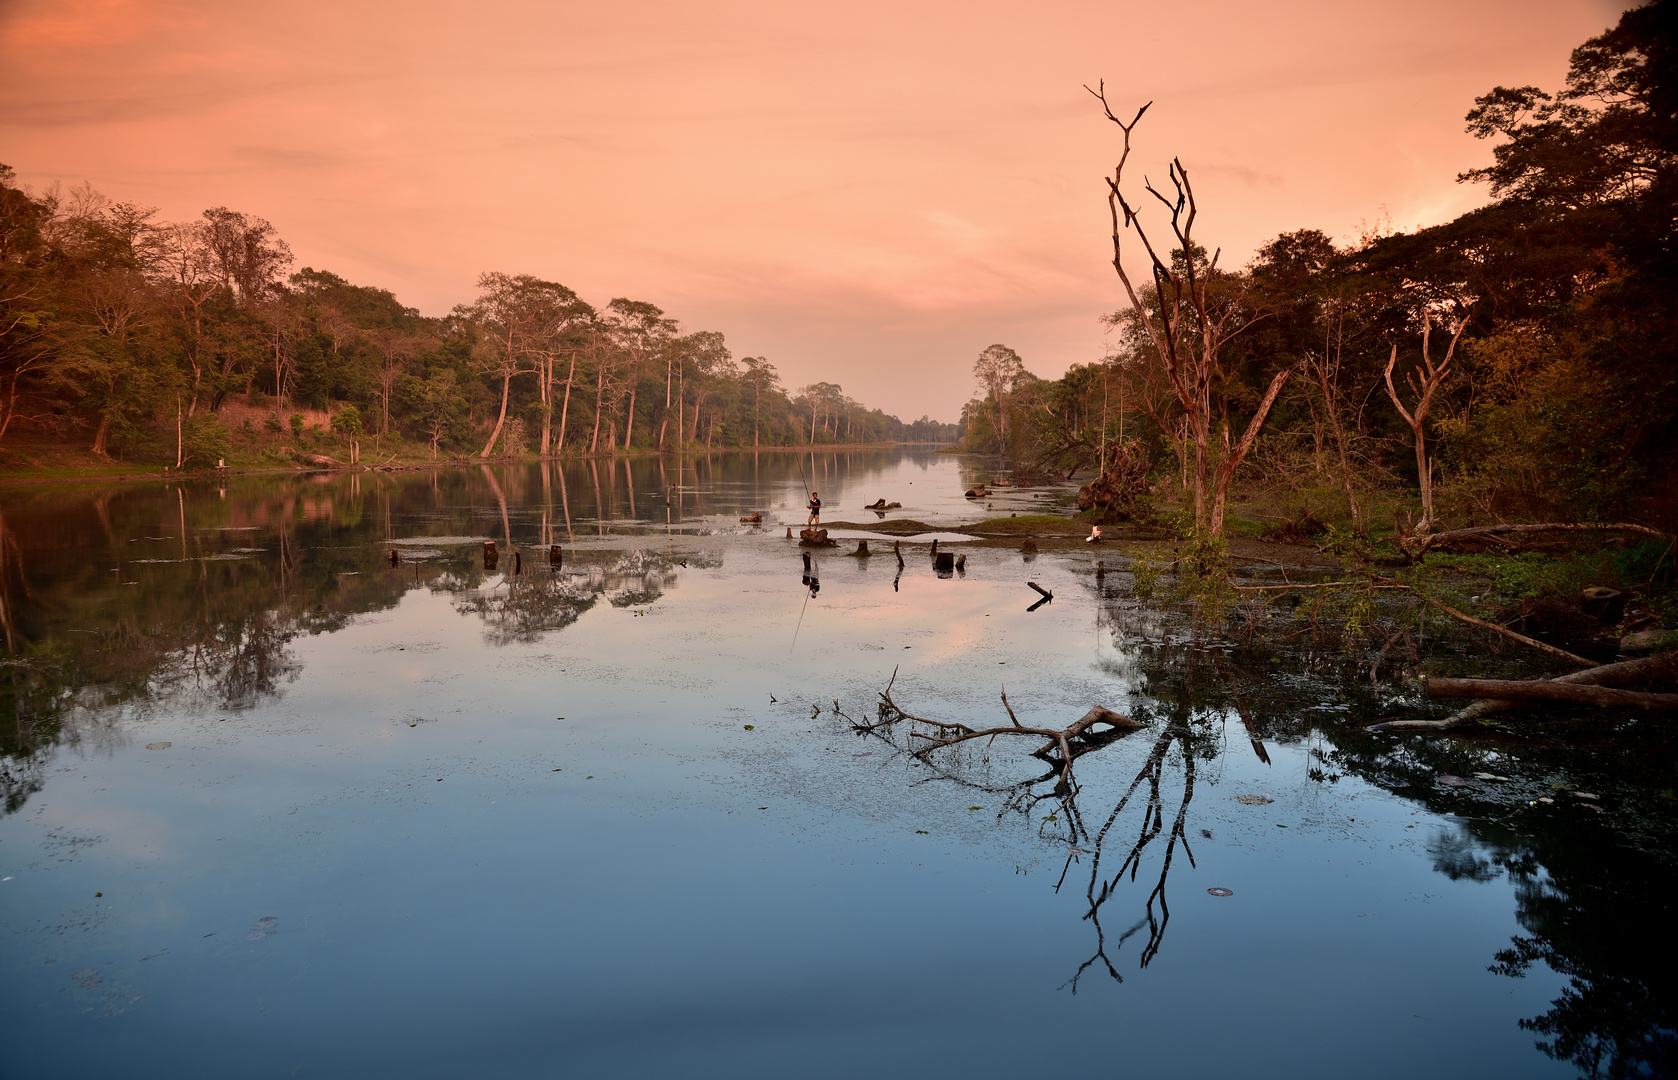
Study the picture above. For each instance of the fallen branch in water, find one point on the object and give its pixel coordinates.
(1660, 666)
(1546, 690)
(952, 733)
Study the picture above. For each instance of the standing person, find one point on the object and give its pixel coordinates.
(815, 510)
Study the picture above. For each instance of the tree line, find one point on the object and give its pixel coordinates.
(134, 334)
(1520, 358)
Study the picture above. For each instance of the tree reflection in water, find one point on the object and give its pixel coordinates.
(522, 608)
(1187, 717)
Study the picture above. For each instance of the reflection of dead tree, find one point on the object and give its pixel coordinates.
(1101, 889)
(1060, 749)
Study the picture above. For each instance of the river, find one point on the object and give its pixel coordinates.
(277, 807)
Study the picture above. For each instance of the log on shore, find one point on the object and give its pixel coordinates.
(1418, 545)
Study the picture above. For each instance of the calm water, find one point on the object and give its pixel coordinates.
(275, 808)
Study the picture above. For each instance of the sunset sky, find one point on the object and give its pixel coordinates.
(865, 193)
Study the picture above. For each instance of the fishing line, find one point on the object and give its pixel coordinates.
(799, 627)
(806, 482)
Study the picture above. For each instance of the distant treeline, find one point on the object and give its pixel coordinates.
(1560, 397)
(134, 334)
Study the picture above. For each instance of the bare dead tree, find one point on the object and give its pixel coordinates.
(1190, 328)
(1424, 381)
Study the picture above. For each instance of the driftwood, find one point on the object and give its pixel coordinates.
(1045, 593)
(1546, 690)
(1660, 666)
(1419, 545)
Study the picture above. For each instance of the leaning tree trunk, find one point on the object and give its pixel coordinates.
(506, 384)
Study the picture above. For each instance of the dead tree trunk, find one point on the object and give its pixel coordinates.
(1191, 327)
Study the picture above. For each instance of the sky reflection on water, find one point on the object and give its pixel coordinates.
(609, 820)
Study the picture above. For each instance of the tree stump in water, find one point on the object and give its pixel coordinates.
(518, 563)
(862, 550)
(815, 538)
(556, 557)
(752, 519)
(491, 555)
(1029, 547)
(961, 563)
(394, 557)
(944, 562)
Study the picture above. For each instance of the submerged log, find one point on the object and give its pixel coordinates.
(1660, 666)
(1546, 690)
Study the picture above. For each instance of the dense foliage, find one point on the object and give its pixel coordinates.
(1561, 396)
(184, 341)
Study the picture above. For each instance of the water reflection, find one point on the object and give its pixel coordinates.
(1589, 882)
(194, 598)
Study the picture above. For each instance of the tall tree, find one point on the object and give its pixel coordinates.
(511, 316)
(760, 376)
(643, 333)
(997, 369)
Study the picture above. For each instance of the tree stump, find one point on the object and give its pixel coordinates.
(491, 555)
(944, 562)
(862, 551)
(1608, 605)
(556, 557)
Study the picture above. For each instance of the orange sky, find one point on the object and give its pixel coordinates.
(869, 193)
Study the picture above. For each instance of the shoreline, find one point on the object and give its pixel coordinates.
(410, 465)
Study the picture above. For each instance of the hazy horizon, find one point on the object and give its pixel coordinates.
(870, 200)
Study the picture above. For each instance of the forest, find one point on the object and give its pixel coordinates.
(191, 343)
(1517, 361)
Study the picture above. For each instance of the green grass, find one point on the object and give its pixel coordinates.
(1026, 525)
